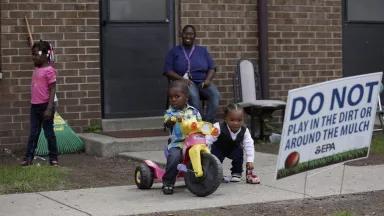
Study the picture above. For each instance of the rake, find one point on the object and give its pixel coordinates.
(66, 138)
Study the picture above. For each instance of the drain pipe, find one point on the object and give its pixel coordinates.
(263, 46)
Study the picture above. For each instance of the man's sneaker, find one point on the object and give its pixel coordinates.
(167, 189)
(252, 178)
(236, 178)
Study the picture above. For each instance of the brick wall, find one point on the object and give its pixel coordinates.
(72, 26)
(304, 48)
(304, 39)
(229, 29)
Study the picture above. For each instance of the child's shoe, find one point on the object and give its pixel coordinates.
(54, 163)
(167, 189)
(26, 162)
(252, 178)
(236, 178)
(226, 179)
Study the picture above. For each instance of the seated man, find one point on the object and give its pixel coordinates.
(194, 64)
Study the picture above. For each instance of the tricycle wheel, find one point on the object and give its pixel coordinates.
(143, 176)
(210, 181)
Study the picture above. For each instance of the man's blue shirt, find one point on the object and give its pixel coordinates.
(201, 62)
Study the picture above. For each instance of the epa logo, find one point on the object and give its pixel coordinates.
(325, 148)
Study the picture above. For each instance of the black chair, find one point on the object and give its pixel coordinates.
(247, 90)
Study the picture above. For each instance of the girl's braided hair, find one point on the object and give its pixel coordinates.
(46, 48)
(231, 107)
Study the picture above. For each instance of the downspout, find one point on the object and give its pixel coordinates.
(263, 46)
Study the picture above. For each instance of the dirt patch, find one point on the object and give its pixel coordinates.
(90, 171)
(86, 171)
(373, 159)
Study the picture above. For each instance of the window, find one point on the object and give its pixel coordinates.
(138, 10)
(365, 10)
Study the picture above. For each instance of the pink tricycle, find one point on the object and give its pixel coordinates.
(201, 170)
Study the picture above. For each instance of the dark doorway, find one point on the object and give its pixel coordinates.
(135, 37)
(363, 33)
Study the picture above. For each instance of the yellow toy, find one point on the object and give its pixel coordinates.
(202, 171)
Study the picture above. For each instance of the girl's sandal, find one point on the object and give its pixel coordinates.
(252, 178)
(26, 163)
(54, 163)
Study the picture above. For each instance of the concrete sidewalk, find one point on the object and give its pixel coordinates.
(128, 200)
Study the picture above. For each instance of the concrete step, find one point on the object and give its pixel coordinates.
(136, 133)
(107, 146)
(155, 156)
(141, 123)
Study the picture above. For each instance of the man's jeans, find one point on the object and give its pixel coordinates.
(38, 121)
(212, 96)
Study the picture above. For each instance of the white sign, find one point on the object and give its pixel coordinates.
(327, 123)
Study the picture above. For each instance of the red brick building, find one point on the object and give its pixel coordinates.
(304, 47)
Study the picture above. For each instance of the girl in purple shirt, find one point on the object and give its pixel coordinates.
(43, 89)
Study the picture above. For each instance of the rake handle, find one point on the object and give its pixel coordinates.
(30, 38)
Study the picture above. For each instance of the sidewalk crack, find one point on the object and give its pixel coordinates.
(74, 208)
(288, 190)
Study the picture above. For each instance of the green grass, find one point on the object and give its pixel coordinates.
(343, 213)
(93, 128)
(17, 179)
(377, 145)
(321, 162)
